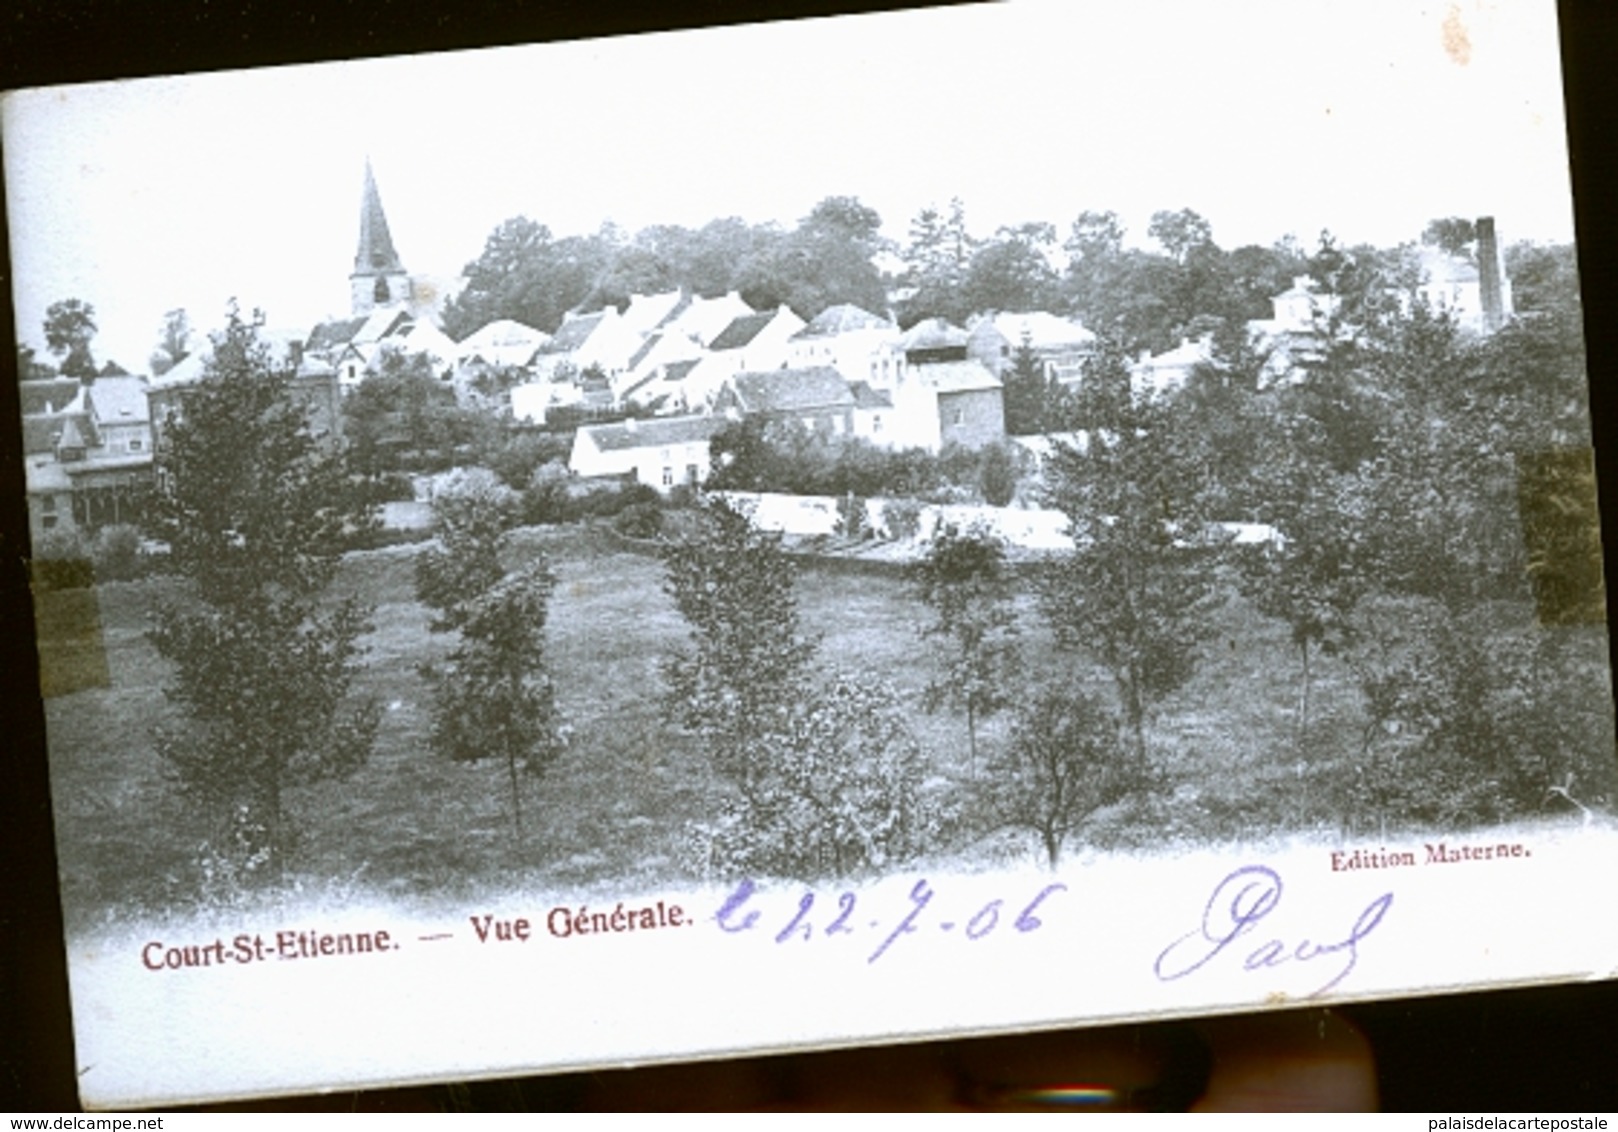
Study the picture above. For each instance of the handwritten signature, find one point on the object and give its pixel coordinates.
(1239, 903)
(802, 925)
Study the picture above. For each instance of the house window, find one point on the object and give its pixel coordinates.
(668, 476)
(135, 444)
(47, 522)
(959, 416)
(876, 422)
(47, 503)
(690, 473)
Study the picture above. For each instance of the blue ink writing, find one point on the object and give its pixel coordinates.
(919, 895)
(747, 907)
(1237, 905)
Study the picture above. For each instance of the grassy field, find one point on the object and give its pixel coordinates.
(615, 810)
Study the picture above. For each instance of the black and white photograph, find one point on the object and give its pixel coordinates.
(782, 536)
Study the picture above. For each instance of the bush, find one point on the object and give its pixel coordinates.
(639, 520)
(117, 553)
(835, 789)
(853, 520)
(901, 518)
(997, 476)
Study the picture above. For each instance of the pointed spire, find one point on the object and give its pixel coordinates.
(376, 255)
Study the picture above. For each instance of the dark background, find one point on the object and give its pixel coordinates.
(1535, 1049)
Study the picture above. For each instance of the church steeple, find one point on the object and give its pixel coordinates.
(379, 278)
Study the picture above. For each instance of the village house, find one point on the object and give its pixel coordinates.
(1061, 345)
(750, 342)
(662, 453)
(942, 397)
(850, 340)
(817, 398)
(599, 340)
(87, 457)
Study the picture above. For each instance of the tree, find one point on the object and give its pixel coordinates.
(1135, 592)
(1032, 397)
(822, 776)
(401, 416)
(1012, 272)
(837, 790)
(936, 261)
(1059, 768)
(173, 342)
(965, 584)
(1453, 234)
(1180, 233)
(751, 659)
(69, 326)
(29, 368)
(261, 664)
(493, 697)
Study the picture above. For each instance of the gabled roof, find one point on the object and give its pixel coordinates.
(954, 377)
(647, 312)
(71, 436)
(867, 398)
(676, 371)
(118, 400)
(41, 433)
(646, 347)
(573, 333)
(1041, 329)
(331, 335)
(659, 432)
(741, 331)
(844, 318)
(791, 390)
(933, 334)
(379, 324)
(52, 395)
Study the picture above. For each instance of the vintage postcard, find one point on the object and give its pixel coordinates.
(785, 536)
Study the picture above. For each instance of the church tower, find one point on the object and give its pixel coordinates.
(379, 278)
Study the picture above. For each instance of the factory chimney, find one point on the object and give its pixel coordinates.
(1490, 275)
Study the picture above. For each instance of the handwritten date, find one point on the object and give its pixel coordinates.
(812, 920)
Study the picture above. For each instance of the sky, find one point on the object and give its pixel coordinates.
(1269, 117)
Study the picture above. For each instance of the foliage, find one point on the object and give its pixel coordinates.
(401, 417)
(29, 367)
(997, 475)
(492, 697)
(827, 259)
(936, 262)
(261, 665)
(1063, 764)
(173, 343)
(836, 789)
(964, 582)
(69, 326)
(901, 518)
(750, 657)
(639, 520)
(1034, 402)
(1478, 718)
(1012, 272)
(1136, 591)
(853, 518)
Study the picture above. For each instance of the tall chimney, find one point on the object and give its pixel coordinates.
(1489, 275)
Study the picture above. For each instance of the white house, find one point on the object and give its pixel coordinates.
(751, 342)
(662, 453)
